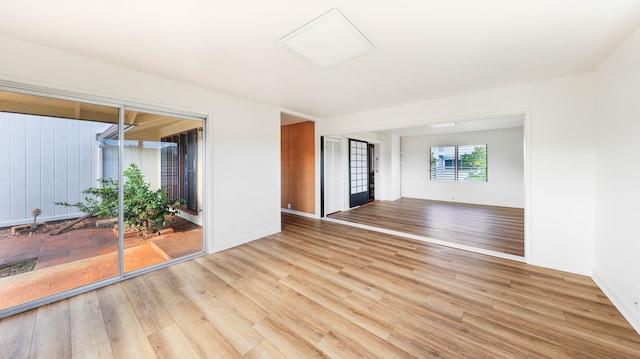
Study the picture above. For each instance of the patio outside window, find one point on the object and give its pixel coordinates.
(63, 226)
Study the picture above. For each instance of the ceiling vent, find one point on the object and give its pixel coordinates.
(329, 40)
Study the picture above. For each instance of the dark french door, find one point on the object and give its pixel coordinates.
(359, 165)
(372, 171)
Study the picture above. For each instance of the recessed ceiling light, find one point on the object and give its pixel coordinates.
(329, 40)
(446, 124)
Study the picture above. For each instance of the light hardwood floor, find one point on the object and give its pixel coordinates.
(321, 289)
(499, 229)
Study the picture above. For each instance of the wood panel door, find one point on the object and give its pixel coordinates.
(298, 166)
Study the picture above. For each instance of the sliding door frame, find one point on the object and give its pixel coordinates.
(122, 106)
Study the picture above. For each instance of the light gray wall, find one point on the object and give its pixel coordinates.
(505, 168)
(617, 255)
(45, 160)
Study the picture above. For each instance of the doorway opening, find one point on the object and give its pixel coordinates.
(404, 176)
(371, 150)
(361, 184)
(297, 158)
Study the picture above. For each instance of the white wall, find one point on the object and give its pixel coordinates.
(242, 156)
(505, 159)
(559, 130)
(389, 171)
(617, 255)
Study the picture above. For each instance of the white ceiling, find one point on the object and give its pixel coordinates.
(423, 48)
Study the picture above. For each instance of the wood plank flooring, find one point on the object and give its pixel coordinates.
(326, 290)
(499, 229)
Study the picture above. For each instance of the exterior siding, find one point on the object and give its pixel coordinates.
(45, 160)
(33, 153)
(147, 158)
(17, 139)
(5, 162)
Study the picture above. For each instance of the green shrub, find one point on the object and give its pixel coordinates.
(143, 208)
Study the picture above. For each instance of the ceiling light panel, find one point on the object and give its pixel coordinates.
(329, 40)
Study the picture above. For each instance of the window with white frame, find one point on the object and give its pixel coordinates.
(466, 163)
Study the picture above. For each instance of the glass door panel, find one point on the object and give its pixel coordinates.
(358, 173)
(51, 237)
(162, 188)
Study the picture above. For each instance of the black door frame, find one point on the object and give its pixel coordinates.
(358, 172)
(371, 170)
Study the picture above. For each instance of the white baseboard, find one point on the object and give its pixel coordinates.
(298, 213)
(626, 309)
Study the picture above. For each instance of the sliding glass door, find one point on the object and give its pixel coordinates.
(92, 193)
(162, 193)
(49, 240)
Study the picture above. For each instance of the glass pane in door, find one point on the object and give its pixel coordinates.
(53, 236)
(162, 188)
(358, 173)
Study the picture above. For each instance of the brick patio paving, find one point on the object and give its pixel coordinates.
(82, 256)
(73, 245)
